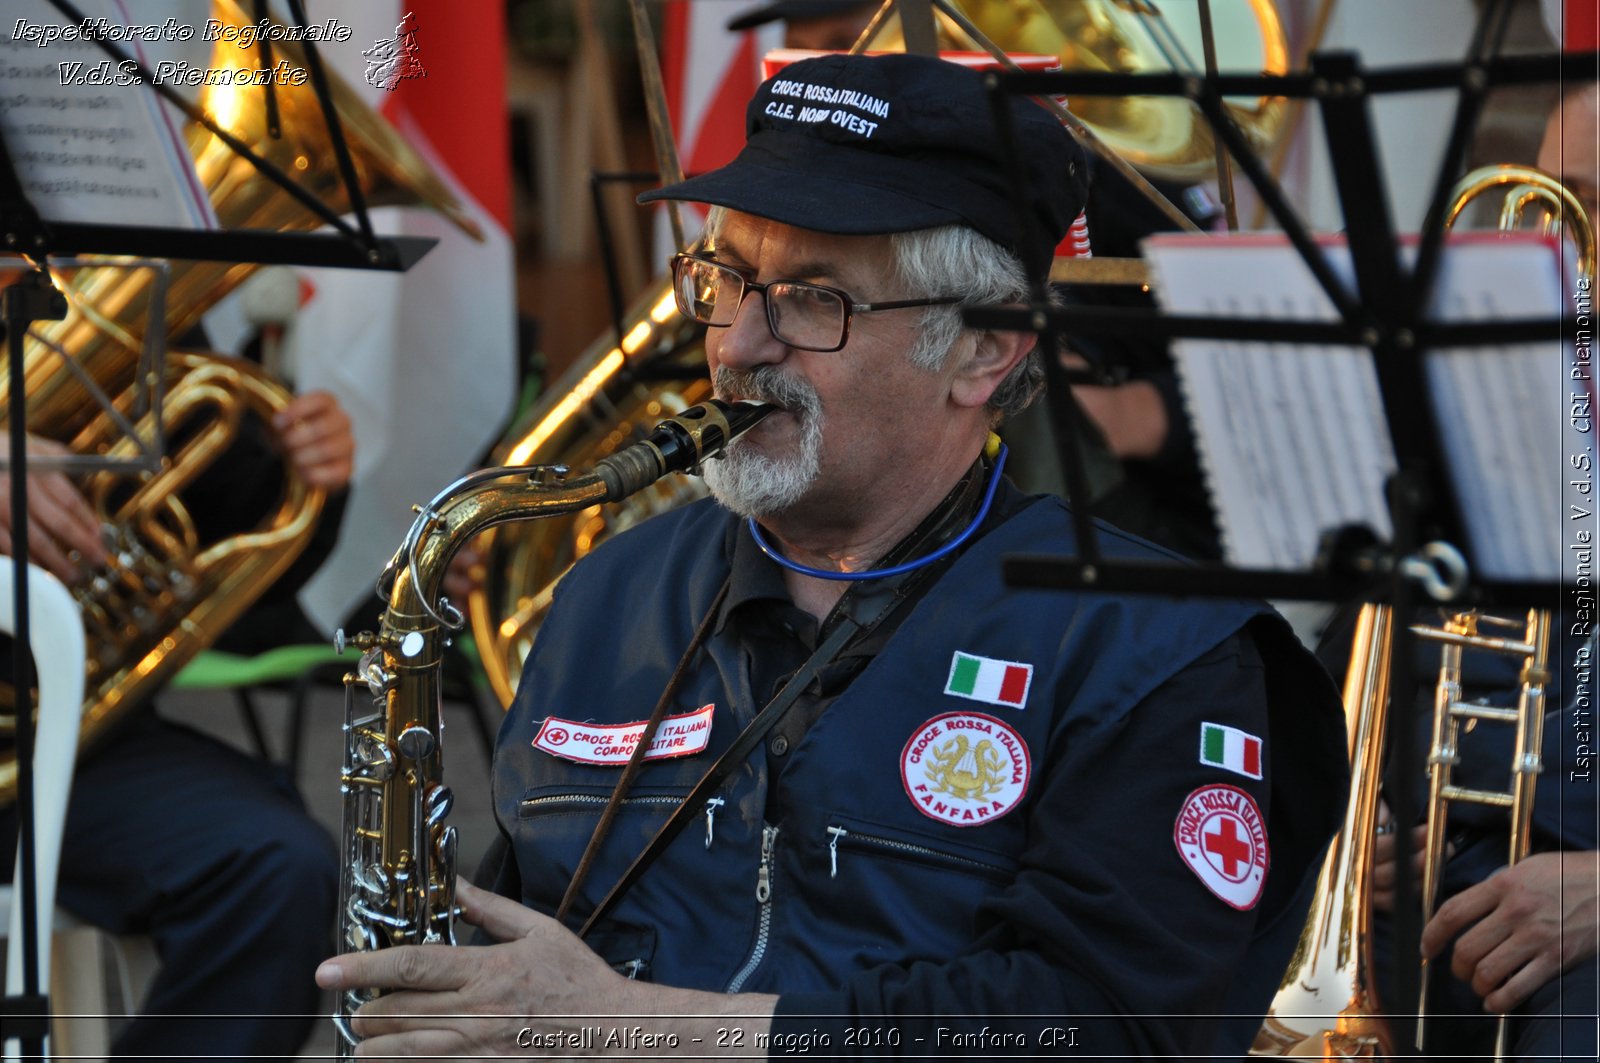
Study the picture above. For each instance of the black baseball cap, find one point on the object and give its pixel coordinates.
(867, 145)
(790, 9)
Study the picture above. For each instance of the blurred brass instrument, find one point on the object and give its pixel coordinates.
(1164, 137)
(1327, 1006)
(613, 393)
(168, 593)
(1527, 188)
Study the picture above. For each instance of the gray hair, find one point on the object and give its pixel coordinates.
(955, 260)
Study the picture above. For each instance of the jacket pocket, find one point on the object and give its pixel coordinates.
(850, 837)
(629, 950)
(581, 802)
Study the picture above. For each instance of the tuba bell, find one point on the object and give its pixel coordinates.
(169, 590)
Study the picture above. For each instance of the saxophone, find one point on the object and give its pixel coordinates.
(398, 882)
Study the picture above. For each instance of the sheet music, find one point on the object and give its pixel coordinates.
(1293, 441)
(89, 145)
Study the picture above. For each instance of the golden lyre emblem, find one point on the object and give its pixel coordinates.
(965, 771)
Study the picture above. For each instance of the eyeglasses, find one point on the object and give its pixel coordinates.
(807, 317)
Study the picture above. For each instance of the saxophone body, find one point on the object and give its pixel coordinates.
(398, 882)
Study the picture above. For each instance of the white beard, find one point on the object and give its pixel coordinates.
(753, 484)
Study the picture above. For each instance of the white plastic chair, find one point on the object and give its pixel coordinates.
(56, 635)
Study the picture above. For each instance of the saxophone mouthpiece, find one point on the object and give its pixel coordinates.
(679, 444)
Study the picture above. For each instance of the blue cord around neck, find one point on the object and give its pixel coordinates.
(895, 570)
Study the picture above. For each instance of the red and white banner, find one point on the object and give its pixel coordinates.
(710, 74)
(424, 361)
(1574, 24)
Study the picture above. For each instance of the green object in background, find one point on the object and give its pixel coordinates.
(214, 669)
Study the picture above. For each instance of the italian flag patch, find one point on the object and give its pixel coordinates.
(988, 680)
(1230, 749)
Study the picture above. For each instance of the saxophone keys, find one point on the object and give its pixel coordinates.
(416, 742)
(440, 801)
(371, 669)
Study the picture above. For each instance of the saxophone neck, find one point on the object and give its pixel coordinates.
(471, 505)
(495, 496)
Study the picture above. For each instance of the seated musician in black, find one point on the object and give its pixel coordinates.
(174, 835)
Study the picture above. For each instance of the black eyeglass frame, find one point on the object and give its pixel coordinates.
(851, 308)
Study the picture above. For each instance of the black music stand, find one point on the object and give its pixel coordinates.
(34, 298)
(1386, 313)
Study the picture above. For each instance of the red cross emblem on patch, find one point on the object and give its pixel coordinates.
(1220, 835)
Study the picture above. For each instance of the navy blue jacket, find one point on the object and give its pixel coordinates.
(886, 889)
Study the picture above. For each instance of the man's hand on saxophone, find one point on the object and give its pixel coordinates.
(540, 987)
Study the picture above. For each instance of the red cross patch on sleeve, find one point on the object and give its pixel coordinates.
(1221, 836)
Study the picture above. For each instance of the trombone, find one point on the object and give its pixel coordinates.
(1459, 633)
(1524, 188)
(1327, 1005)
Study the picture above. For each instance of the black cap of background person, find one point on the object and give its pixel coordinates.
(789, 9)
(867, 145)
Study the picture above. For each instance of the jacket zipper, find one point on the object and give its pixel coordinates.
(769, 841)
(877, 841)
(596, 799)
(712, 804)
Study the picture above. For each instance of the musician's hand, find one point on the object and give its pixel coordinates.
(464, 574)
(64, 535)
(1130, 416)
(1383, 862)
(316, 436)
(1528, 923)
(540, 985)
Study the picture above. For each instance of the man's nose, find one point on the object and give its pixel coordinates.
(749, 341)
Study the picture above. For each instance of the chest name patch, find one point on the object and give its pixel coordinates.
(613, 743)
(1220, 835)
(965, 769)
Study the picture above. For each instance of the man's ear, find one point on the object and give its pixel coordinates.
(982, 369)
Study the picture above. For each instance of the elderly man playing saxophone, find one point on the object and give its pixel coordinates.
(978, 818)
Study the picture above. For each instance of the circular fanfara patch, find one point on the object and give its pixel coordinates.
(1220, 836)
(965, 768)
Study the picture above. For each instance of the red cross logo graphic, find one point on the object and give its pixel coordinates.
(1227, 844)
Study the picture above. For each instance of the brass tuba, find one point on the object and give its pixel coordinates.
(1165, 137)
(168, 592)
(605, 402)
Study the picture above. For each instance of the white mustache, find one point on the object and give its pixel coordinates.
(767, 384)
